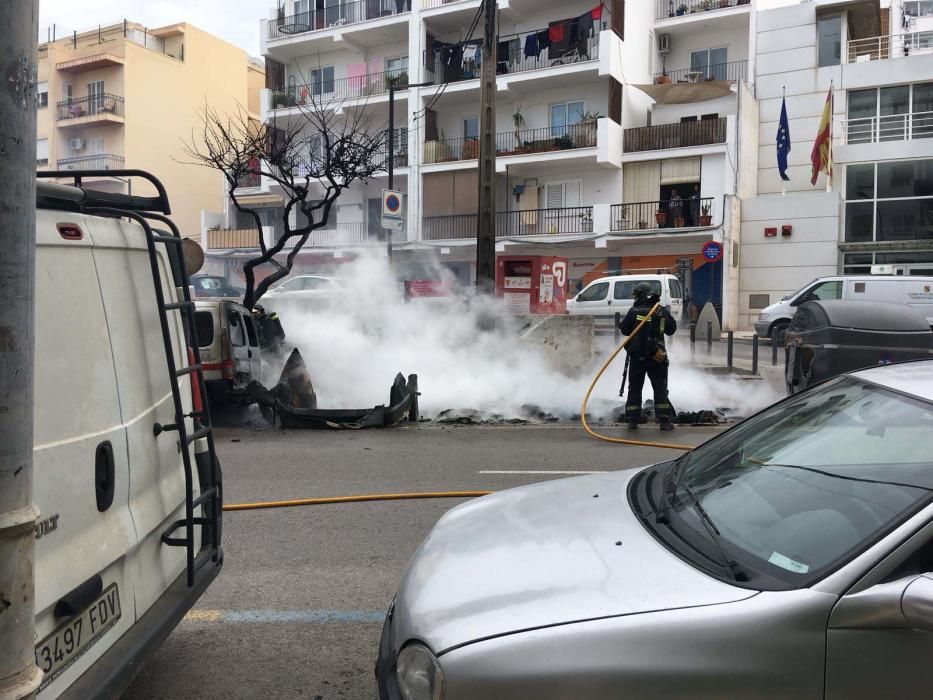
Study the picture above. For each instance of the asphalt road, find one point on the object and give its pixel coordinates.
(297, 609)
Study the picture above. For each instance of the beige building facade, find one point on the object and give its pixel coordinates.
(125, 96)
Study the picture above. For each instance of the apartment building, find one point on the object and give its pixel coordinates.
(876, 214)
(126, 96)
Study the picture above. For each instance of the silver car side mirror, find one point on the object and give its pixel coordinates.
(917, 604)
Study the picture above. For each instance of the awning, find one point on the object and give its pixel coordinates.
(257, 199)
(683, 93)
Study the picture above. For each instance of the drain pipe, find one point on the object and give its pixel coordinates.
(19, 677)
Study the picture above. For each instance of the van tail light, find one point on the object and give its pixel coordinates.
(196, 404)
(226, 369)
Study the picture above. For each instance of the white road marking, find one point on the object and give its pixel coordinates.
(543, 471)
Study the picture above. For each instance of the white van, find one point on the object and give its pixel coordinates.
(914, 291)
(124, 547)
(608, 296)
(230, 349)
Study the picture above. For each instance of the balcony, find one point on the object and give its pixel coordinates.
(893, 127)
(514, 143)
(93, 109)
(334, 17)
(734, 70)
(661, 215)
(336, 234)
(449, 65)
(684, 8)
(227, 238)
(361, 86)
(680, 135)
(95, 161)
(509, 224)
(892, 46)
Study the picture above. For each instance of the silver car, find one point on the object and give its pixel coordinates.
(790, 557)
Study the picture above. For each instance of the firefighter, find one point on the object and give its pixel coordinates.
(647, 355)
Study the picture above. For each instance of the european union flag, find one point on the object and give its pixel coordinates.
(783, 141)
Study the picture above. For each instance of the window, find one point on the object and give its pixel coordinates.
(322, 80)
(397, 66)
(626, 288)
(677, 290)
(825, 291)
(888, 201)
(564, 115)
(918, 8)
(560, 195)
(709, 63)
(829, 40)
(251, 332)
(204, 327)
(95, 96)
(42, 152)
(237, 337)
(471, 128)
(42, 94)
(595, 292)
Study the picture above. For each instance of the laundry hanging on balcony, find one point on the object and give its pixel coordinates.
(684, 93)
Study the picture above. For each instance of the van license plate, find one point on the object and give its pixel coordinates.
(68, 643)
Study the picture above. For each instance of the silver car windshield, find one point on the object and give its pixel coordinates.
(802, 487)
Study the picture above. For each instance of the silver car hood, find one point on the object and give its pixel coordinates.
(543, 555)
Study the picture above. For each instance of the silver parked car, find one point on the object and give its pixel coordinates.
(790, 557)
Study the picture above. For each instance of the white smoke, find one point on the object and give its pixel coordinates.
(356, 345)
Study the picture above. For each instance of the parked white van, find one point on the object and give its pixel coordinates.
(914, 291)
(125, 476)
(608, 296)
(230, 349)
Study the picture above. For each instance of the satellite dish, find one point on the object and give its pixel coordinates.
(193, 255)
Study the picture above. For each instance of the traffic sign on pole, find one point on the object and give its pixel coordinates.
(712, 251)
(393, 210)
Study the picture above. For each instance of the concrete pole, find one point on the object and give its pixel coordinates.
(19, 677)
(486, 221)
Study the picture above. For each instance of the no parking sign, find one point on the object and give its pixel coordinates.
(712, 251)
(392, 209)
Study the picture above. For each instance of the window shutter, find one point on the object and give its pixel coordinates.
(676, 171)
(555, 195)
(42, 149)
(572, 193)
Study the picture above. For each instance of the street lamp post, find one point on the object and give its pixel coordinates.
(393, 86)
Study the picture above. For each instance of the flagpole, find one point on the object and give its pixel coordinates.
(832, 111)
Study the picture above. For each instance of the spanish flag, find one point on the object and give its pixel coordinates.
(821, 157)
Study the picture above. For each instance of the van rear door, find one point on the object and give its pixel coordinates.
(157, 484)
(239, 345)
(85, 538)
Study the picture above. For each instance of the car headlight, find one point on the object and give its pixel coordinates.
(419, 674)
(762, 317)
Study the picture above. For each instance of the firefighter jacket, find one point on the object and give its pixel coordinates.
(650, 339)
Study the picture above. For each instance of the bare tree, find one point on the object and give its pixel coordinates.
(312, 157)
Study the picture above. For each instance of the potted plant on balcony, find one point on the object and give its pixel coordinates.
(724, 3)
(518, 120)
(588, 126)
(660, 217)
(705, 218)
(662, 79)
(681, 10)
(707, 5)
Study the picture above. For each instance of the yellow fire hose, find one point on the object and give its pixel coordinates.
(468, 494)
(586, 397)
(354, 499)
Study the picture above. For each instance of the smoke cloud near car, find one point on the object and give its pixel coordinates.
(468, 353)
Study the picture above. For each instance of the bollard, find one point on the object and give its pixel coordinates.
(709, 337)
(618, 331)
(693, 339)
(729, 350)
(755, 354)
(773, 351)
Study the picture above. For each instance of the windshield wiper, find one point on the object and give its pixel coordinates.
(732, 566)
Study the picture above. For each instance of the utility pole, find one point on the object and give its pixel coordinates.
(19, 676)
(486, 220)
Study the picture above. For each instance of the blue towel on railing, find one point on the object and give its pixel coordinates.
(531, 46)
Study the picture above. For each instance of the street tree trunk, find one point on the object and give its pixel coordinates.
(19, 676)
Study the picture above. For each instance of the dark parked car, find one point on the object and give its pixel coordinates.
(828, 338)
(215, 286)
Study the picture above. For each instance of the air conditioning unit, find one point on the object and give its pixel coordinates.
(76, 144)
(664, 43)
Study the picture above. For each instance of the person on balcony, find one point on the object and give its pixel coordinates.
(675, 209)
(695, 206)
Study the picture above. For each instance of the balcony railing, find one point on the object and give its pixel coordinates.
(334, 234)
(680, 135)
(285, 26)
(339, 89)
(662, 214)
(531, 222)
(225, 238)
(579, 45)
(681, 8)
(96, 161)
(892, 46)
(892, 127)
(104, 103)
(431, 4)
(514, 143)
(734, 70)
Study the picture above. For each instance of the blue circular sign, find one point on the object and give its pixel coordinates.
(393, 203)
(712, 251)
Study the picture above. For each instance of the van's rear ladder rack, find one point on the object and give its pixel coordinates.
(210, 499)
